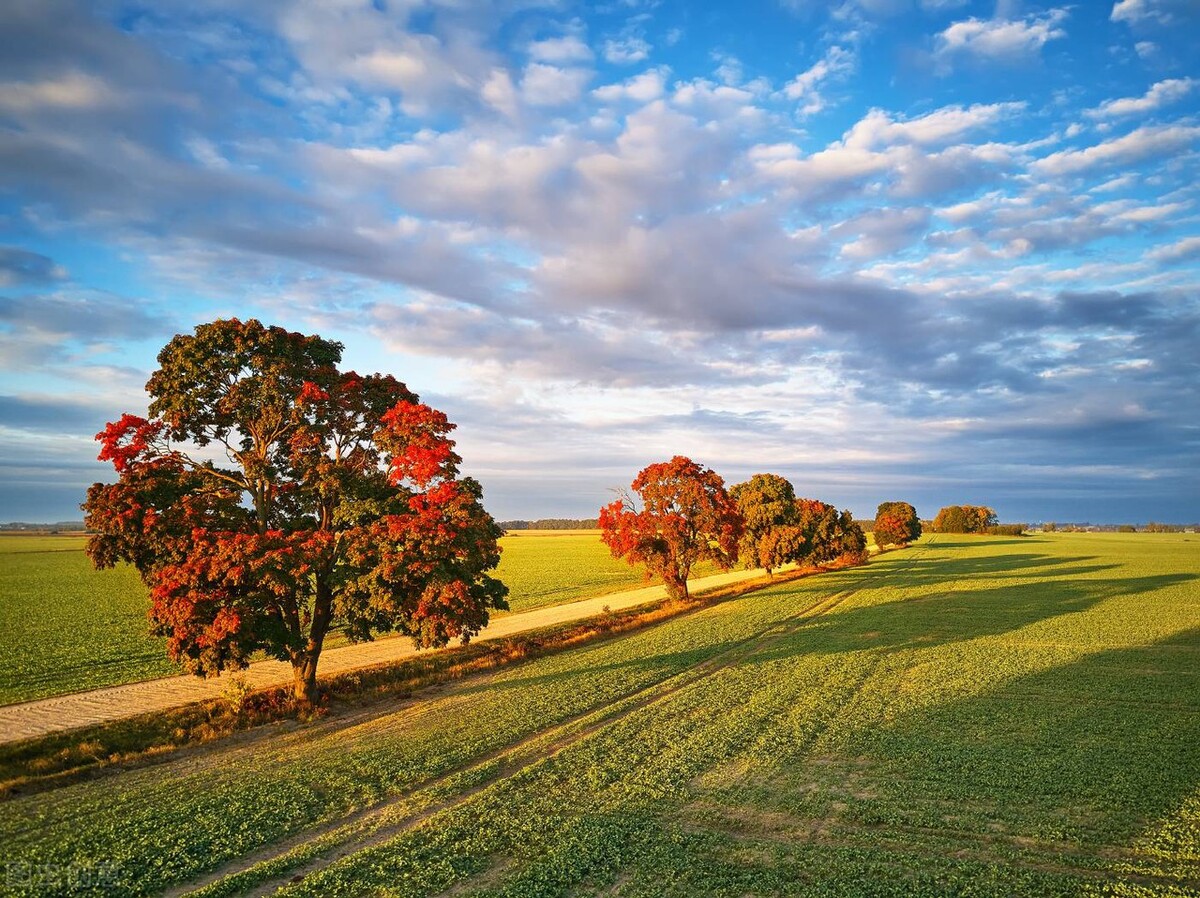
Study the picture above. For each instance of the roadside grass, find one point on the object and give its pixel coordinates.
(984, 716)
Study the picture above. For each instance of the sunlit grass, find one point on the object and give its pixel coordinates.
(999, 716)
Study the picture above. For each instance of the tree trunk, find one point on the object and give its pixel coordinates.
(304, 673)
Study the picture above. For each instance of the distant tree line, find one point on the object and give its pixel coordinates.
(1149, 527)
(552, 524)
(68, 526)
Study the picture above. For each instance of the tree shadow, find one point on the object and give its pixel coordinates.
(922, 570)
(924, 621)
(1093, 753)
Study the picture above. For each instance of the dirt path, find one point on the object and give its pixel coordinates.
(67, 712)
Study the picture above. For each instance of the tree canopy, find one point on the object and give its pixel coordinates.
(964, 519)
(682, 515)
(781, 529)
(896, 523)
(270, 495)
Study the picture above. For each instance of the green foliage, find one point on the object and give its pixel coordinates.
(896, 523)
(989, 717)
(964, 519)
(780, 529)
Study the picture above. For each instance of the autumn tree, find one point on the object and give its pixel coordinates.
(771, 535)
(896, 523)
(833, 535)
(781, 529)
(681, 515)
(270, 496)
(965, 519)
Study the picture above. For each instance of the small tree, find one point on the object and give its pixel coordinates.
(685, 516)
(834, 536)
(330, 497)
(896, 523)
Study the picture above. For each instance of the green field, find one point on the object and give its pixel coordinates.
(981, 716)
(80, 629)
(547, 567)
(67, 627)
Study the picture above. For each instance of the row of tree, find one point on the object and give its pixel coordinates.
(683, 515)
(270, 496)
(551, 524)
(973, 519)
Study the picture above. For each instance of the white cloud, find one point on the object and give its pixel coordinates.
(1133, 147)
(1136, 12)
(561, 49)
(500, 93)
(548, 85)
(626, 51)
(1118, 183)
(1179, 251)
(1159, 95)
(640, 88)
(1000, 40)
(72, 90)
(878, 129)
(1146, 49)
(805, 87)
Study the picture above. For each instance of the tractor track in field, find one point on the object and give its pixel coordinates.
(369, 827)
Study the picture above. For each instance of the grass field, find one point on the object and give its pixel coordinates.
(80, 629)
(66, 627)
(971, 716)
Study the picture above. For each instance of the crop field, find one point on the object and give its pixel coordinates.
(66, 627)
(81, 629)
(547, 567)
(983, 716)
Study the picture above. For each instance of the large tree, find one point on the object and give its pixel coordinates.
(896, 523)
(270, 496)
(682, 515)
(781, 529)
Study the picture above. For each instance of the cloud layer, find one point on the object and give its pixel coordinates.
(598, 238)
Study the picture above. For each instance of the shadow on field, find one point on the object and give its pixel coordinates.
(1098, 752)
(921, 570)
(939, 619)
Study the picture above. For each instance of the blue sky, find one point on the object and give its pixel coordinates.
(929, 250)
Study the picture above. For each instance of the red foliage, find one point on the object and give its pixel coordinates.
(890, 529)
(686, 517)
(417, 435)
(129, 440)
(342, 502)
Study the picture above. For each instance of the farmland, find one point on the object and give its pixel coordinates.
(82, 629)
(77, 628)
(998, 716)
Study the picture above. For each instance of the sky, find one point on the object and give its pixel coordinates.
(936, 251)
